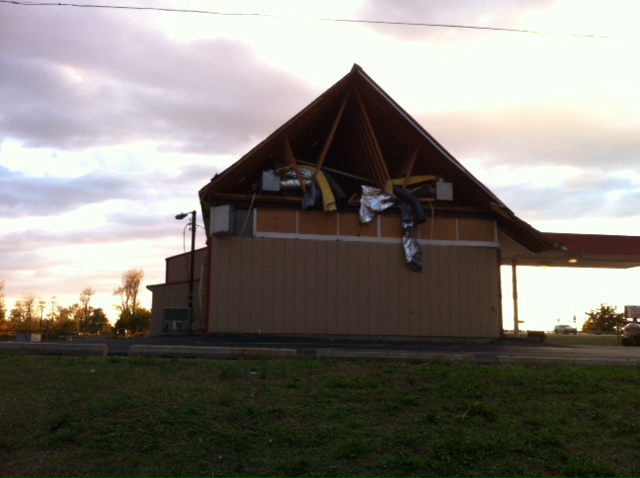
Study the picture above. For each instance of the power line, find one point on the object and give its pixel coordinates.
(339, 20)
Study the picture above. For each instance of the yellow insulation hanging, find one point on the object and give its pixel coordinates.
(410, 181)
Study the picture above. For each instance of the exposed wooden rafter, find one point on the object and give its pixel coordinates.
(290, 158)
(332, 132)
(377, 159)
(410, 162)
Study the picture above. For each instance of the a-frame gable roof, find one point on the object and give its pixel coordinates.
(357, 129)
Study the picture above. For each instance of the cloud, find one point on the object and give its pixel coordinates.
(491, 13)
(589, 195)
(21, 195)
(538, 135)
(80, 78)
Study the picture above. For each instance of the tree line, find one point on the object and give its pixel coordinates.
(52, 319)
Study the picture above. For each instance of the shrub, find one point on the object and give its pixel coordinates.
(537, 334)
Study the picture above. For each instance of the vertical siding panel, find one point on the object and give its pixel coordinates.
(342, 281)
(388, 291)
(482, 277)
(404, 300)
(445, 282)
(484, 307)
(233, 296)
(321, 292)
(380, 291)
(437, 316)
(383, 298)
(425, 293)
(333, 272)
(457, 294)
(310, 290)
(257, 274)
(254, 285)
(393, 294)
(243, 277)
(346, 282)
(278, 293)
(223, 279)
(364, 305)
(374, 297)
(477, 302)
(469, 275)
(268, 279)
(352, 288)
(490, 268)
(416, 279)
(290, 277)
(297, 287)
(235, 285)
(300, 287)
(214, 286)
(218, 270)
(463, 271)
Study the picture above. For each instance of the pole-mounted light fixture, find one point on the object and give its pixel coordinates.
(192, 261)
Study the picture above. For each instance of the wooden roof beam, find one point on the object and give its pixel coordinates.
(409, 167)
(332, 132)
(378, 162)
(290, 158)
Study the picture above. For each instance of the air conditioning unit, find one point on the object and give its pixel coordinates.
(221, 220)
(176, 319)
(444, 191)
(270, 182)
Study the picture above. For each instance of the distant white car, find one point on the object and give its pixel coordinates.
(565, 329)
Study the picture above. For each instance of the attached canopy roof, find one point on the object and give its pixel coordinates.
(357, 130)
(582, 250)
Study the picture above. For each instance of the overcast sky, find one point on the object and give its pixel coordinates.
(111, 120)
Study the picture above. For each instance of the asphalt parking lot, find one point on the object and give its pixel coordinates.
(494, 351)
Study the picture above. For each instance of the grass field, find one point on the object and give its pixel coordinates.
(66, 416)
(610, 340)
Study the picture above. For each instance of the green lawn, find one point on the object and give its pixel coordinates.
(582, 339)
(69, 416)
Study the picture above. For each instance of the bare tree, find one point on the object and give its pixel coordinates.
(42, 305)
(128, 292)
(85, 299)
(3, 306)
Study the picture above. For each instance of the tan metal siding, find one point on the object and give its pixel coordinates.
(177, 267)
(174, 295)
(292, 286)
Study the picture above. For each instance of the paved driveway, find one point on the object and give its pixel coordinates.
(496, 351)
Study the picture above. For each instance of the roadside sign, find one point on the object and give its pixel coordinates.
(632, 311)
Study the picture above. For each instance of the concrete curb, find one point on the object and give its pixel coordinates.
(533, 360)
(425, 357)
(46, 348)
(410, 357)
(209, 352)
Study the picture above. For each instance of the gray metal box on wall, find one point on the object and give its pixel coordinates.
(270, 181)
(444, 191)
(222, 220)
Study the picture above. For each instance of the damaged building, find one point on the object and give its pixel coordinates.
(349, 220)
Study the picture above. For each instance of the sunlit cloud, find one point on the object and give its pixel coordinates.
(112, 120)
